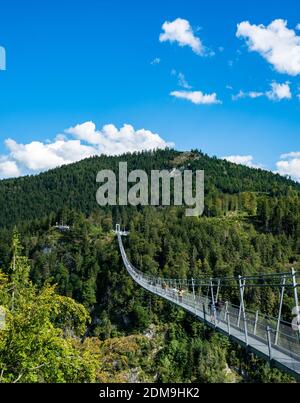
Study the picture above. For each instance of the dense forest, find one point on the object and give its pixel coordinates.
(73, 313)
(74, 186)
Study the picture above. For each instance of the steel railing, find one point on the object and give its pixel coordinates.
(277, 337)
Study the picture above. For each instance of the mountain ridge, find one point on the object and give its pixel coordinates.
(74, 186)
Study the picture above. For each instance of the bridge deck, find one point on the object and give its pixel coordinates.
(285, 355)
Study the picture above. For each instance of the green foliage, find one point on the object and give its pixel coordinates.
(251, 225)
(33, 347)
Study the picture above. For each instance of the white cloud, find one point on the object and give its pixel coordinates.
(86, 141)
(289, 165)
(156, 61)
(113, 141)
(9, 169)
(180, 31)
(182, 82)
(255, 94)
(87, 132)
(246, 160)
(278, 92)
(294, 154)
(37, 156)
(240, 95)
(251, 94)
(276, 43)
(2, 58)
(197, 97)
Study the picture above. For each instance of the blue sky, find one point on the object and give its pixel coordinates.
(71, 62)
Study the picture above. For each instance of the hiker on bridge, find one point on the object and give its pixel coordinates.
(219, 307)
(212, 310)
(180, 294)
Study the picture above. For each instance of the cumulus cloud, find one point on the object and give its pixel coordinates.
(37, 156)
(78, 142)
(113, 141)
(181, 32)
(197, 97)
(276, 43)
(278, 92)
(289, 165)
(247, 160)
(9, 169)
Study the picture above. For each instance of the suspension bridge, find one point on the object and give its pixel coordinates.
(270, 338)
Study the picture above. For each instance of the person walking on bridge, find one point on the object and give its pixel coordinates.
(212, 310)
(180, 294)
(219, 307)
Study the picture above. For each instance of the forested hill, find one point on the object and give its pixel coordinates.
(74, 186)
(88, 321)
